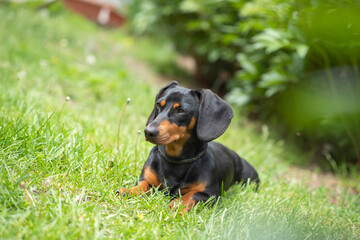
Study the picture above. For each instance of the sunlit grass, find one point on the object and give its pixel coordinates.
(64, 153)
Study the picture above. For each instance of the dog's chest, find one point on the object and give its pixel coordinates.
(175, 179)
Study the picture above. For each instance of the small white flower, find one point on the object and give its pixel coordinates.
(128, 100)
(21, 74)
(67, 98)
(90, 59)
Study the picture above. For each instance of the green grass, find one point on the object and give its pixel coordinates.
(65, 152)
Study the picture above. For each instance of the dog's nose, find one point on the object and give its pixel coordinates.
(151, 133)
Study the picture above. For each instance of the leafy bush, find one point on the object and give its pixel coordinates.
(220, 36)
(261, 51)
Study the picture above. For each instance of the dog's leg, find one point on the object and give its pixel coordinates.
(148, 179)
(190, 195)
(187, 201)
(142, 187)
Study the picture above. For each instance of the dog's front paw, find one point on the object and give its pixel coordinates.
(174, 203)
(178, 204)
(142, 187)
(123, 192)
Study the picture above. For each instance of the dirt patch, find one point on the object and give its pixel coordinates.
(186, 63)
(145, 73)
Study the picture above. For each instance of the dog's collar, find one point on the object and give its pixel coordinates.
(182, 161)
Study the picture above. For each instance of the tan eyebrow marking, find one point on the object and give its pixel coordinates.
(162, 103)
(176, 105)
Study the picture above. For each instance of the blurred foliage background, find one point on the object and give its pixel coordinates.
(293, 64)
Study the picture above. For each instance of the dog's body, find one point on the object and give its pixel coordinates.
(182, 125)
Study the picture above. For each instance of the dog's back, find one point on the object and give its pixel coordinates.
(231, 167)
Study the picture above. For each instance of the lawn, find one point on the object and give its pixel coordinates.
(60, 163)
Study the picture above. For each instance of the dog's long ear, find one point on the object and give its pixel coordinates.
(159, 95)
(214, 116)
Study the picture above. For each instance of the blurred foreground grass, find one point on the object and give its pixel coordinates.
(59, 166)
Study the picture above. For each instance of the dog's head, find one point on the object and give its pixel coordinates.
(180, 113)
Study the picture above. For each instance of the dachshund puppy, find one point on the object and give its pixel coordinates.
(185, 162)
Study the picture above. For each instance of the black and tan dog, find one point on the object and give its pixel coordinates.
(185, 161)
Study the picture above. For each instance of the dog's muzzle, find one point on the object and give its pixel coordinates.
(151, 133)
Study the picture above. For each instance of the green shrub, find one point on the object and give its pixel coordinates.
(220, 35)
(263, 50)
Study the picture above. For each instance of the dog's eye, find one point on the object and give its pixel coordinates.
(180, 110)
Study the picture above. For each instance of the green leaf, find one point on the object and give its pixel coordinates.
(238, 97)
(273, 90)
(271, 40)
(273, 78)
(302, 50)
(214, 55)
(190, 6)
(198, 25)
(247, 65)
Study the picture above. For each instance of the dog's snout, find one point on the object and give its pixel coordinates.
(151, 133)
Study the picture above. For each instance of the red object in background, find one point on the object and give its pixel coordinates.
(103, 14)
